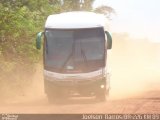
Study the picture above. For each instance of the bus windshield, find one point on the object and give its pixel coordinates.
(74, 50)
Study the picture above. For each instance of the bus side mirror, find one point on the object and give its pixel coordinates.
(109, 40)
(38, 40)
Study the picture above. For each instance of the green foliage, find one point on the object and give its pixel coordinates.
(20, 20)
(75, 5)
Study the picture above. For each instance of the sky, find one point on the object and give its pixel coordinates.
(139, 18)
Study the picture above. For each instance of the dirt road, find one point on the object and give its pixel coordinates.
(146, 103)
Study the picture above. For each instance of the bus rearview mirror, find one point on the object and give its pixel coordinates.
(38, 40)
(109, 40)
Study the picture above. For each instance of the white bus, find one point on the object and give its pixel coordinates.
(75, 55)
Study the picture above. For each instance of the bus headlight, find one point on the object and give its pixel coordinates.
(102, 86)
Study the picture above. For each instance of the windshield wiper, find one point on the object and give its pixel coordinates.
(83, 54)
(69, 57)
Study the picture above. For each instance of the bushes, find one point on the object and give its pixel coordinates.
(20, 20)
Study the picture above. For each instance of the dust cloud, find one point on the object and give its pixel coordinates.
(134, 66)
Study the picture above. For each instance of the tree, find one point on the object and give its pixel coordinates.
(106, 10)
(76, 5)
(20, 20)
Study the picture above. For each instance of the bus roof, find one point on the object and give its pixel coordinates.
(75, 20)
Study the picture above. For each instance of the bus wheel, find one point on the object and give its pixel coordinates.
(53, 98)
(101, 96)
(56, 98)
